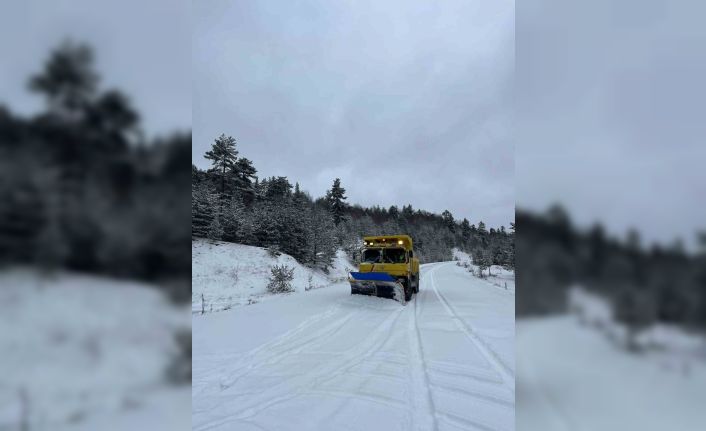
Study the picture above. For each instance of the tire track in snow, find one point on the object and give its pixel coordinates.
(489, 354)
(474, 394)
(292, 345)
(423, 410)
(300, 384)
(454, 370)
(246, 362)
(559, 420)
(424, 386)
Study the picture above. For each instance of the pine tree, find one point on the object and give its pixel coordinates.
(335, 198)
(232, 218)
(265, 224)
(278, 189)
(68, 80)
(203, 206)
(483, 259)
(245, 177)
(448, 219)
(636, 311)
(215, 229)
(407, 212)
(223, 157)
(321, 242)
(112, 116)
(465, 230)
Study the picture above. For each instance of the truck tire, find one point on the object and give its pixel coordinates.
(408, 290)
(416, 285)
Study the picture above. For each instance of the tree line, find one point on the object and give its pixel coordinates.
(645, 284)
(82, 188)
(231, 203)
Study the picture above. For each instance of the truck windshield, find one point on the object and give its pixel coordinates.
(372, 255)
(394, 255)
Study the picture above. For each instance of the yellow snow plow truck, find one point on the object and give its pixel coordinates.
(388, 268)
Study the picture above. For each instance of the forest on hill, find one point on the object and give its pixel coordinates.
(81, 187)
(231, 203)
(645, 284)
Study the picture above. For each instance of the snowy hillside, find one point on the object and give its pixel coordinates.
(500, 277)
(575, 373)
(329, 360)
(86, 352)
(228, 274)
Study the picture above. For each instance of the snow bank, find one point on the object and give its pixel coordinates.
(500, 277)
(597, 312)
(78, 348)
(573, 377)
(228, 274)
(665, 337)
(591, 308)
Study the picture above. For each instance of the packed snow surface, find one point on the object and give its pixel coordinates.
(82, 352)
(575, 374)
(329, 360)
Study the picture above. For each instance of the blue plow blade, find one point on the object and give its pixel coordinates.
(372, 276)
(378, 284)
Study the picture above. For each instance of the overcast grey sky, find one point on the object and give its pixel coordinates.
(611, 113)
(405, 101)
(141, 47)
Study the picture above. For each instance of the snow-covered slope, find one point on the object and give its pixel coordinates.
(499, 276)
(228, 274)
(77, 350)
(576, 373)
(572, 377)
(330, 360)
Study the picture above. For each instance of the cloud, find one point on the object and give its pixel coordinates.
(142, 48)
(407, 102)
(610, 107)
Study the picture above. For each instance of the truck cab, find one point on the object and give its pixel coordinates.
(384, 260)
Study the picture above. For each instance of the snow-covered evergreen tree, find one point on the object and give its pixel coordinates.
(203, 208)
(223, 157)
(245, 179)
(321, 242)
(448, 219)
(232, 219)
(335, 198)
(215, 229)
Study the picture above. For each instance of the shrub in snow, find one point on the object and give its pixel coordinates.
(235, 274)
(273, 251)
(281, 279)
(636, 311)
(591, 309)
(483, 260)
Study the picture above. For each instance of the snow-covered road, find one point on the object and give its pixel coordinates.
(329, 360)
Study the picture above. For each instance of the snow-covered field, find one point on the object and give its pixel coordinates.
(326, 360)
(575, 374)
(82, 352)
(228, 274)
